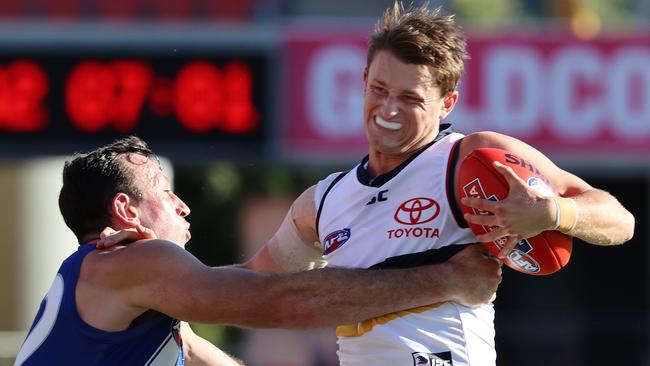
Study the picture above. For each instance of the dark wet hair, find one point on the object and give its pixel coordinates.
(91, 181)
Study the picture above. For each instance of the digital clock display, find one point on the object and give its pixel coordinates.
(213, 100)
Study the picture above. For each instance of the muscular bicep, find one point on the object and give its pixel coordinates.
(565, 183)
(164, 277)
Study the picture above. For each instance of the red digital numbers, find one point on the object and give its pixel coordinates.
(240, 115)
(101, 94)
(197, 96)
(23, 88)
(207, 98)
(202, 96)
(114, 94)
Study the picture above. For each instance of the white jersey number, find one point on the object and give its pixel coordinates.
(44, 326)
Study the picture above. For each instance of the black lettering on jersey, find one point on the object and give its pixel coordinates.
(380, 197)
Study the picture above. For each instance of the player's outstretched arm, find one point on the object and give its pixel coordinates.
(600, 218)
(162, 276)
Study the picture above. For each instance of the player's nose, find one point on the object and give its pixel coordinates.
(389, 107)
(182, 209)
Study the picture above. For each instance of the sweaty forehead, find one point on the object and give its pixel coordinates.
(136, 159)
(145, 169)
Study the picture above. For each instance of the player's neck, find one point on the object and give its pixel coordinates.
(380, 162)
(89, 238)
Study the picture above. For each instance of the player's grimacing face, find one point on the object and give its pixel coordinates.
(402, 105)
(160, 209)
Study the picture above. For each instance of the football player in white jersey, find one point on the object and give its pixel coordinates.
(415, 60)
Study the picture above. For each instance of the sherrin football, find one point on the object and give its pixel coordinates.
(543, 254)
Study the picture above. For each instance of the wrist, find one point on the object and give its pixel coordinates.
(566, 214)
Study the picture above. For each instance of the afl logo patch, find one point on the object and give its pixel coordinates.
(335, 240)
(523, 261)
(417, 211)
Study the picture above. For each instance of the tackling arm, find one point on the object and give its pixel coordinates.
(163, 276)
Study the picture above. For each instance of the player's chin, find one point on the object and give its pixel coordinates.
(387, 144)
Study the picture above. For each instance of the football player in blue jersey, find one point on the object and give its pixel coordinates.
(127, 304)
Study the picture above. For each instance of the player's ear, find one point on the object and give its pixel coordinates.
(123, 210)
(365, 78)
(448, 104)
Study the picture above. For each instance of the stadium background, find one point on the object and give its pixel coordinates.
(252, 101)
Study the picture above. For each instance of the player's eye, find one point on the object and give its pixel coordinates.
(378, 90)
(411, 99)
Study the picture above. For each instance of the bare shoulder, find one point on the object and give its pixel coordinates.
(303, 212)
(305, 204)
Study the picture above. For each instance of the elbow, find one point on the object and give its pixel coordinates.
(626, 230)
(629, 227)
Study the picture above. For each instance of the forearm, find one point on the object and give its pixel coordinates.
(322, 297)
(602, 220)
(336, 296)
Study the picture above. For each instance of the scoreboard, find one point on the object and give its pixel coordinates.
(203, 99)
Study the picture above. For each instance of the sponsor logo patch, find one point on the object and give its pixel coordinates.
(335, 240)
(432, 359)
(417, 211)
(413, 212)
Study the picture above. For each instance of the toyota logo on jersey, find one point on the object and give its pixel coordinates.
(417, 211)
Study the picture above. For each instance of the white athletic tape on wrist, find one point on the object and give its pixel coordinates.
(566, 214)
(557, 213)
(291, 252)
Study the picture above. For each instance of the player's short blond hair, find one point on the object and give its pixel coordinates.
(424, 37)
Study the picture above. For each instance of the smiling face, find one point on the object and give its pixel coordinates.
(402, 107)
(159, 208)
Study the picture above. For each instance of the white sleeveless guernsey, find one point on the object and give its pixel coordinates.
(404, 220)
